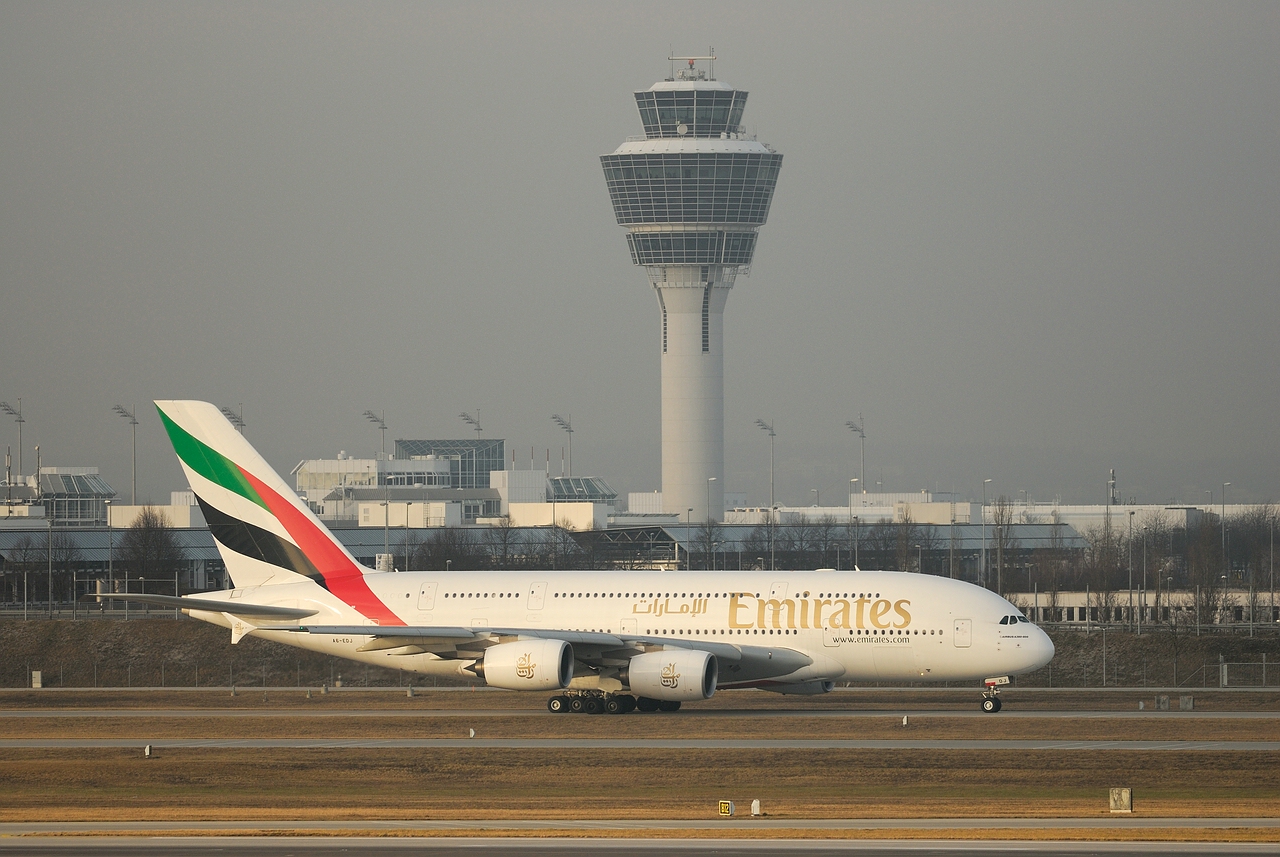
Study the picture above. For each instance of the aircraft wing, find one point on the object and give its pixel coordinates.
(235, 608)
(738, 663)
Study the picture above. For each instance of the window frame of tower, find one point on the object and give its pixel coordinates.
(716, 195)
(706, 313)
(663, 306)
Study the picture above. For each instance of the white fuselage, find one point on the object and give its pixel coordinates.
(855, 626)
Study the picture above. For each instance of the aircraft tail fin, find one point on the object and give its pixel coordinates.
(265, 533)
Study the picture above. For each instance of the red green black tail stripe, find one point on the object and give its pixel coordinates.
(340, 575)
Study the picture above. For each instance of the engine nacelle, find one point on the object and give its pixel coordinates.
(803, 688)
(673, 675)
(527, 665)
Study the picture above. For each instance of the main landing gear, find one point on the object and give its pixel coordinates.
(594, 702)
(991, 694)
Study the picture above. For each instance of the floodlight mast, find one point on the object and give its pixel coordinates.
(567, 425)
(133, 425)
(768, 428)
(474, 422)
(16, 413)
(236, 419)
(379, 420)
(859, 428)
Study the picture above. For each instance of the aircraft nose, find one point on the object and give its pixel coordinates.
(1044, 648)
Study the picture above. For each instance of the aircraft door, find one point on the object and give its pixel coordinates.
(627, 626)
(537, 595)
(963, 633)
(427, 597)
(778, 591)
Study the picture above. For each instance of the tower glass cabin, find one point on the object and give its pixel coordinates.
(692, 194)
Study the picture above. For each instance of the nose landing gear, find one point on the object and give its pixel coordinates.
(991, 694)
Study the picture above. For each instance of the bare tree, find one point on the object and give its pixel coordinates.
(503, 542)
(149, 548)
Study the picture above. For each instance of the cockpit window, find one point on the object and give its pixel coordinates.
(1024, 619)
(1004, 620)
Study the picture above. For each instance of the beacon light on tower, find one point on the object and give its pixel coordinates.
(692, 194)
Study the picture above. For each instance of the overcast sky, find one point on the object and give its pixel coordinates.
(1026, 241)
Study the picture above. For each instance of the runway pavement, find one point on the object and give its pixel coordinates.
(480, 743)
(1009, 713)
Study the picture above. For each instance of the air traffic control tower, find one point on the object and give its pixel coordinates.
(692, 194)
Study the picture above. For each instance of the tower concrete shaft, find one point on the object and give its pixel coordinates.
(692, 194)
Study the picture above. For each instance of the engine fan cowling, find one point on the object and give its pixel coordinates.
(527, 665)
(683, 674)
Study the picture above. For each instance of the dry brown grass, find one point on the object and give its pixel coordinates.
(1099, 834)
(919, 727)
(443, 784)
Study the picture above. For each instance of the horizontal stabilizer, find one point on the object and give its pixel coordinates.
(235, 608)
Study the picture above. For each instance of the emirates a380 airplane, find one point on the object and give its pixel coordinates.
(598, 641)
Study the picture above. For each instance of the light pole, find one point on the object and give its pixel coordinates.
(1143, 606)
(817, 498)
(16, 413)
(379, 420)
(133, 425)
(852, 482)
(773, 523)
(859, 428)
(982, 571)
(857, 537)
(50, 593)
(111, 572)
(1226, 560)
(567, 425)
(407, 504)
(1131, 569)
(919, 559)
(688, 554)
(710, 479)
(768, 429)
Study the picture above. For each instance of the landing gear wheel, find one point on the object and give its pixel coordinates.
(558, 704)
(628, 703)
(614, 705)
(576, 704)
(593, 705)
(669, 705)
(646, 704)
(990, 704)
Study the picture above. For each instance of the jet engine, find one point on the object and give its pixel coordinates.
(673, 675)
(527, 665)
